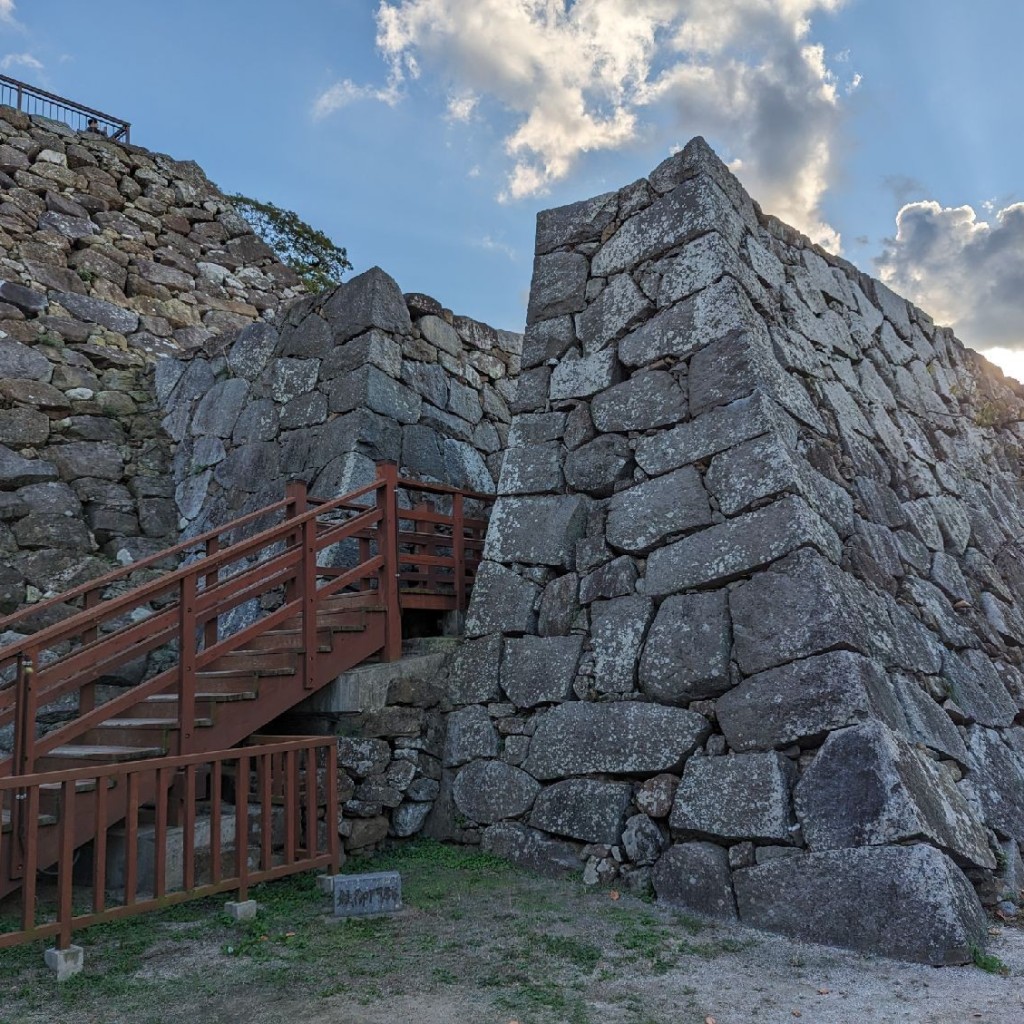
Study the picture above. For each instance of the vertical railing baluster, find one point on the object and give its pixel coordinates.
(216, 784)
(30, 831)
(387, 496)
(242, 826)
(65, 861)
(131, 865)
(188, 838)
(311, 774)
(307, 588)
(291, 783)
(266, 780)
(87, 694)
(186, 663)
(331, 800)
(459, 551)
(99, 846)
(160, 836)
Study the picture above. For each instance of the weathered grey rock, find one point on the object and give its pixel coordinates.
(218, 411)
(408, 819)
(743, 796)
(538, 670)
(85, 458)
(580, 738)
(596, 468)
(99, 311)
(559, 284)
(502, 602)
(578, 222)
(713, 432)
(440, 333)
(655, 796)
(616, 578)
(740, 545)
(802, 702)
(27, 300)
(559, 606)
(19, 361)
(643, 516)
(252, 349)
(975, 685)
(695, 876)
(686, 656)
(869, 787)
(997, 778)
(752, 471)
(617, 629)
(470, 735)
(530, 849)
(691, 209)
(908, 902)
(490, 791)
(363, 757)
(371, 299)
(585, 809)
(465, 467)
(473, 676)
(619, 307)
(24, 427)
(536, 531)
(649, 399)
(642, 840)
(925, 720)
(584, 376)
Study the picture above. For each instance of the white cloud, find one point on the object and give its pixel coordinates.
(342, 93)
(491, 245)
(461, 107)
(965, 272)
(7, 11)
(23, 60)
(603, 74)
(1009, 360)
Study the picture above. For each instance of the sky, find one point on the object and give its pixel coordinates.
(425, 135)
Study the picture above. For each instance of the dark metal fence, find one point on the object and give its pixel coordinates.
(39, 103)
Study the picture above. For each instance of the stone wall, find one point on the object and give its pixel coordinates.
(750, 626)
(337, 382)
(110, 257)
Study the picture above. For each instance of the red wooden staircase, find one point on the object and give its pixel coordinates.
(261, 613)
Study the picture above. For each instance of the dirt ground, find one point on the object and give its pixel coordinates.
(482, 943)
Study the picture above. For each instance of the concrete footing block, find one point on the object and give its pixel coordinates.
(65, 963)
(241, 911)
(365, 895)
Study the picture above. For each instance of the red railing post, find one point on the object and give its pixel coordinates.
(210, 580)
(297, 502)
(387, 499)
(307, 589)
(25, 720)
(459, 552)
(186, 662)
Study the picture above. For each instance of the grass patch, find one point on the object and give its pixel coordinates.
(987, 962)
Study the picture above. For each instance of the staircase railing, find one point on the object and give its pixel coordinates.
(266, 811)
(238, 581)
(30, 100)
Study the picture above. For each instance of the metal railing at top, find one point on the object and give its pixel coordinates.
(269, 810)
(39, 103)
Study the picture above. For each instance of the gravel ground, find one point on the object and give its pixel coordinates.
(481, 943)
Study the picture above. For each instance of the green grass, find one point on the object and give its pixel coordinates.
(987, 962)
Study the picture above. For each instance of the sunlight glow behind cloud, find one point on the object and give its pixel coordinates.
(602, 74)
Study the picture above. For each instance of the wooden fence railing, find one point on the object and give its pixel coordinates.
(193, 826)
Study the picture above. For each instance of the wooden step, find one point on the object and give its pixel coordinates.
(71, 756)
(5, 821)
(258, 661)
(290, 640)
(138, 731)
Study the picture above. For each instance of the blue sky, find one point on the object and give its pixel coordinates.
(424, 135)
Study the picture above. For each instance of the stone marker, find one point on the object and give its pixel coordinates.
(379, 892)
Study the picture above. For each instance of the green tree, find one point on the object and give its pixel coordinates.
(310, 253)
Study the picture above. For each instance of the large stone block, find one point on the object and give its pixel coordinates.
(598, 466)
(584, 376)
(686, 656)
(869, 787)
(536, 530)
(692, 208)
(730, 799)
(641, 517)
(490, 791)
(530, 849)
(371, 299)
(997, 778)
(620, 306)
(908, 902)
(502, 602)
(626, 738)
(585, 809)
(802, 702)
(617, 630)
(17, 472)
(558, 287)
(578, 222)
(473, 676)
(976, 688)
(649, 399)
(538, 670)
(712, 432)
(738, 546)
(21, 362)
(695, 876)
(370, 388)
(470, 735)
(800, 607)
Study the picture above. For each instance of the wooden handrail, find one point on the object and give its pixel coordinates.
(193, 598)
